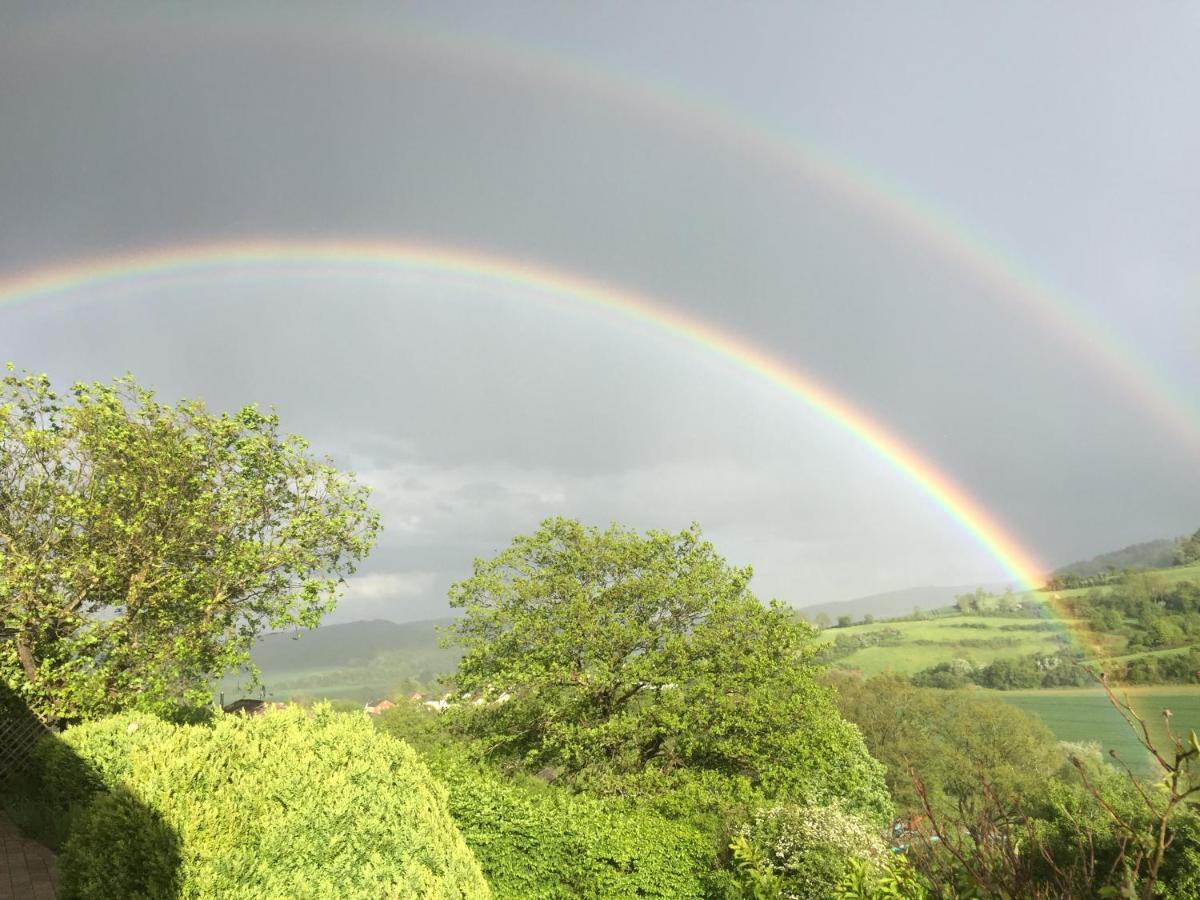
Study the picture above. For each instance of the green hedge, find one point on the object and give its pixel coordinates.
(288, 804)
(536, 842)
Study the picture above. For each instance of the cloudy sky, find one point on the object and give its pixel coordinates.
(981, 226)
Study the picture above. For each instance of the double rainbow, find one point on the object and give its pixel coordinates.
(916, 218)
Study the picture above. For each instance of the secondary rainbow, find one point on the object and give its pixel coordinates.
(358, 256)
(917, 219)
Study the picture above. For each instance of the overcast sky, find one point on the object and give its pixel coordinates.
(1063, 136)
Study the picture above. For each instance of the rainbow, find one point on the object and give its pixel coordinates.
(914, 217)
(529, 279)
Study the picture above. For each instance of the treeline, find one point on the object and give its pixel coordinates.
(1145, 608)
(1111, 568)
(1167, 668)
(1063, 669)
(1156, 554)
(846, 644)
(1141, 617)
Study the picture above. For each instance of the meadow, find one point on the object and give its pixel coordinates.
(924, 643)
(1085, 715)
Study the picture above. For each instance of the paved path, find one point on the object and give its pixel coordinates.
(28, 871)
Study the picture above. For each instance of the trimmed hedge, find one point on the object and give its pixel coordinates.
(536, 842)
(288, 804)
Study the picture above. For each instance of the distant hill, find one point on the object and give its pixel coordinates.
(350, 661)
(1157, 554)
(345, 646)
(893, 603)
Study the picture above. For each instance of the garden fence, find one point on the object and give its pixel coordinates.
(18, 733)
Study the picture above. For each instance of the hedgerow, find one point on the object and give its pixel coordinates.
(537, 842)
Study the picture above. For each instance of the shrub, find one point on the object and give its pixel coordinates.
(537, 841)
(287, 804)
(94, 756)
(808, 848)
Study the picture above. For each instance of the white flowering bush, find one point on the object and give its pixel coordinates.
(804, 850)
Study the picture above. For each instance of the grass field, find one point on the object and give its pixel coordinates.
(1085, 715)
(1173, 575)
(1181, 573)
(943, 638)
(928, 642)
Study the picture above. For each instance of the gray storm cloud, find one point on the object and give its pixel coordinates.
(1069, 146)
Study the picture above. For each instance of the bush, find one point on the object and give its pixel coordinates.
(287, 804)
(95, 756)
(806, 850)
(537, 841)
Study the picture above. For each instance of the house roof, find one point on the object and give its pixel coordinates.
(250, 706)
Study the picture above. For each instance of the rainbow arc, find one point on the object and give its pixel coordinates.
(381, 256)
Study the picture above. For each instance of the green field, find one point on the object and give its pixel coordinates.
(1181, 573)
(1172, 575)
(1085, 715)
(931, 641)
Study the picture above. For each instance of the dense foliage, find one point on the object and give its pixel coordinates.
(535, 841)
(289, 804)
(1011, 673)
(992, 806)
(144, 546)
(1188, 551)
(949, 738)
(616, 659)
(803, 852)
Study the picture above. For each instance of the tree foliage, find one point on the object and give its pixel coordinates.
(1188, 551)
(804, 850)
(952, 739)
(144, 546)
(605, 655)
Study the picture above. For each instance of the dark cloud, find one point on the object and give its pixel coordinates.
(1062, 137)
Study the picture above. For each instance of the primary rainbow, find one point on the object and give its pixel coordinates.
(360, 255)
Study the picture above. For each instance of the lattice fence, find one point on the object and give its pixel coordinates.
(18, 733)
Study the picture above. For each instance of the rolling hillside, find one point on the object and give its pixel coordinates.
(1156, 554)
(891, 604)
(908, 647)
(354, 660)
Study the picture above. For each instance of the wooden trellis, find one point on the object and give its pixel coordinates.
(18, 733)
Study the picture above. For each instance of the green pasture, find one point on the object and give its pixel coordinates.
(1085, 715)
(1181, 573)
(1172, 576)
(928, 642)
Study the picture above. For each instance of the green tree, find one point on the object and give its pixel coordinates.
(144, 546)
(1165, 633)
(845, 621)
(1146, 587)
(822, 620)
(616, 658)
(1008, 674)
(1007, 603)
(949, 738)
(1188, 551)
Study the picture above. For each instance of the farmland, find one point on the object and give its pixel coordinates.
(920, 644)
(1085, 715)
